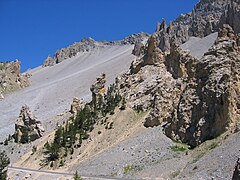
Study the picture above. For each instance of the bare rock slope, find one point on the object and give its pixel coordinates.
(52, 88)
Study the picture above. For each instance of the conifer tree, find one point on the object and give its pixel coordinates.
(4, 162)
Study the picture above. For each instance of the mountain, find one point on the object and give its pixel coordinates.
(165, 106)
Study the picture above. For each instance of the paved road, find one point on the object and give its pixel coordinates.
(62, 173)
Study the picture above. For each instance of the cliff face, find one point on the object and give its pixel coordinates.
(196, 97)
(209, 105)
(10, 77)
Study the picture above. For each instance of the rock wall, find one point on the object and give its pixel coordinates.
(209, 105)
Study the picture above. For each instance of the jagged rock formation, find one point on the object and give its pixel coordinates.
(87, 44)
(76, 105)
(98, 90)
(197, 96)
(138, 49)
(49, 62)
(236, 173)
(27, 127)
(192, 95)
(209, 104)
(207, 17)
(10, 77)
(231, 16)
(153, 56)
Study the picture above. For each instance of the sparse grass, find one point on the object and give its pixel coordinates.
(2, 65)
(213, 145)
(175, 174)
(130, 168)
(204, 148)
(179, 147)
(127, 169)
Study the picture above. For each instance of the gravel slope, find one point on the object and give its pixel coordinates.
(52, 88)
(198, 46)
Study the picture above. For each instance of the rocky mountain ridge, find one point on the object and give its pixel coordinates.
(206, 18)
(193, 99)
(87, 44)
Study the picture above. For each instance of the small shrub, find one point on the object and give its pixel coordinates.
(127, 169)
(179, 147)
(213, 145)
(111, 125)
(61, 163)
(6, 142)
(34, 149)
(77, 176)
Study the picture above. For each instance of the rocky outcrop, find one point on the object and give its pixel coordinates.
(236, 173)
(138, 49)
(198, 98)
(207, 17)
(209, 104)
(88, 44)
(153, 56)
(180, 63)
(76, 106)
(49, 62)
(10, 77)
(98, 90)
(231, 16)
(27, 127)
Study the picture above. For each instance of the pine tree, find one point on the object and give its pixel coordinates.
(52, 151)
(76, 176)
(4, 162)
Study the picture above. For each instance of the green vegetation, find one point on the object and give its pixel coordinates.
(200, 151)
(179, 147)
(127, 169)
(77, 177)
(2, 65)
(130, 168)
(213, 145)
(34, 149)
(175, 174)
(71, 135)
(4, 162)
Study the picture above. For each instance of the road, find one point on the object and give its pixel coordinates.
(61, 173)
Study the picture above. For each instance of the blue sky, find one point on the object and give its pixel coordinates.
(30, 30)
